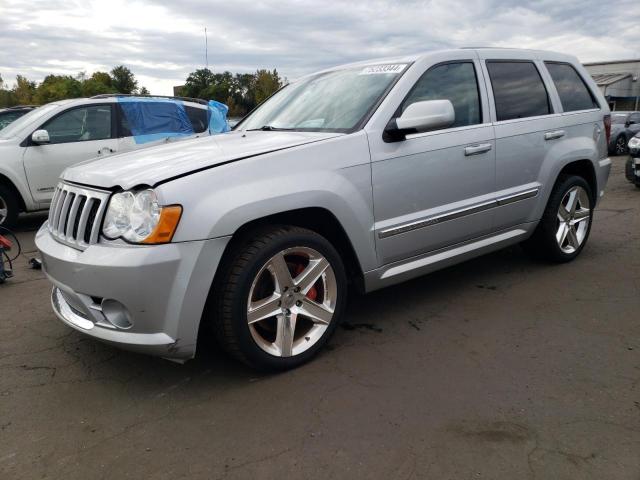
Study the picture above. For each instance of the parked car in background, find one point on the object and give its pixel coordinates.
(632, 169)
(624, 125)
(9, 115)
(360, 176)
(36, 148)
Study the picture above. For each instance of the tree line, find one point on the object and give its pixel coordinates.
(240, 91)
(61, 87)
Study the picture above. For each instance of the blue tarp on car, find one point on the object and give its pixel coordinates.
(218, 117)
(156, 118)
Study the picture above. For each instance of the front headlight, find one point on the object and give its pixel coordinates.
(634, 142)
(137, 217)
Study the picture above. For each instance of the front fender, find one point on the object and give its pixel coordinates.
(334, 175)
(12, 169)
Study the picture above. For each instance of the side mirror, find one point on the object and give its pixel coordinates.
(40, 136)
(422, 117)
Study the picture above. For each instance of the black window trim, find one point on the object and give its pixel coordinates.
(546, 89)
(27, 142)
(398, 110)
(585, 83)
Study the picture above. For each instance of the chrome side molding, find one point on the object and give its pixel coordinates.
(427, 222)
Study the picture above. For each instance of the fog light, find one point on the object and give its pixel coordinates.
(116, 313)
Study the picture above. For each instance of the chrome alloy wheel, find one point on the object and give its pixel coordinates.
(291, 301)
(621, 145)
(4, 210)
(574, 215)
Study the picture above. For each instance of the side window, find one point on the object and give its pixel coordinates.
(518, 89)
(198, 117)
(80, 125)
(456, 82)
(123, 127)
(573, 92)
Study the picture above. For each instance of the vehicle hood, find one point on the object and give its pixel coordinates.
(151, 166)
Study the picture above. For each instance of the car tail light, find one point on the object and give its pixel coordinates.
(607, 127)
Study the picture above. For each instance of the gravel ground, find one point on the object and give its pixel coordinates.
(498, 368)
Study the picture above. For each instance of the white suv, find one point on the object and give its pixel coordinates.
(35, 149)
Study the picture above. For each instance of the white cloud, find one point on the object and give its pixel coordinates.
(163, 42)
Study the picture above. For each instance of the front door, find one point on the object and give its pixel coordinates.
(435, 189)
(75, 135)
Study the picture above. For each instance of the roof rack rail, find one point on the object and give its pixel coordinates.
(17, 107)
(186, 99)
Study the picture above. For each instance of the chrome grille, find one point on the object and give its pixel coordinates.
(75, 215)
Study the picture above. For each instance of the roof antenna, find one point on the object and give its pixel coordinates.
(206, 48)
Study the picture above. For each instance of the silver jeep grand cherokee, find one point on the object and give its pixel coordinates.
(359, 176)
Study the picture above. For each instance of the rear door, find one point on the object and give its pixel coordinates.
(435, 189)
(77, 134)
(526, 127)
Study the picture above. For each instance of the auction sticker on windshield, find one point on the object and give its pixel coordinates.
(377, 69)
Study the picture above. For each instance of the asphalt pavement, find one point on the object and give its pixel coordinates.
(498, 368)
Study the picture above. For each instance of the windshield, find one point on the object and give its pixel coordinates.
(335, 101)
(619, 118)
(12, 129)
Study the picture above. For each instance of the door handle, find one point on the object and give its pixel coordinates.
(106, 150)
(477, 149)
(554, 135)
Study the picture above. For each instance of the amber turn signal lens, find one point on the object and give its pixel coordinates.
(169, 218)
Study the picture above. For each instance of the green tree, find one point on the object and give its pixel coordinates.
(197, 83)
(58, 87)
(123, 80)
(24, 91)
(98, 83)
(143, 91)
(221, 89)
(265, 84)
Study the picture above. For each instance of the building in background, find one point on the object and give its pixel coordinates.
(618, 81)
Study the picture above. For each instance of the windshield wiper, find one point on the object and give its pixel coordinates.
(269, 128)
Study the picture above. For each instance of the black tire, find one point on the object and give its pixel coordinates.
(9, 201)
(620, 147)
(542, 244)
(228, 307)
(628, 170)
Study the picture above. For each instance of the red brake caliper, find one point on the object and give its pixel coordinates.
(312, 294)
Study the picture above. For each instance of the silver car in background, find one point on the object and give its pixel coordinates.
(356, 177)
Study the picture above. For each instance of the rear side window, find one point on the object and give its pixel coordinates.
(139, 118)
(518, 90)
(572, 90)
(451, 81)
(198, 117)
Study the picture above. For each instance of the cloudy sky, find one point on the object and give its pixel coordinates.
(161, 42)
